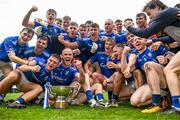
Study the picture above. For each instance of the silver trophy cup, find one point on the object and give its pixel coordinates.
(60, 93)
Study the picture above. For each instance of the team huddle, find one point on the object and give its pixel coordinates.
(140, 65)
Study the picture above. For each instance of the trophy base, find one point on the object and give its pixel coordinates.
(61, 105)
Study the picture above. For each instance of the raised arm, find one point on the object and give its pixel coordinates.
(124, 58)
(81, 75)
(87, 66)
(25, 21)
(130, 66)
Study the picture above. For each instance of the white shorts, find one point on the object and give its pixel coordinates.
(23, 80)
(131, 86)
(2, 63)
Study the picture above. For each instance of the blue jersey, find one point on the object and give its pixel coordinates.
(40, 77)
(116, 61)
(112, 35)
(11, 45)
(70, 39)
(150, 56)
(85, 48)
(102, 59)
(122, 33)
(54, 46)
(133, 51)
(64, 32)
(29, 52)
(119, 39)
(49, 29)
(64, 75)
(79, 37)
(44, 76)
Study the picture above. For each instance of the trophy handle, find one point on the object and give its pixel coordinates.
(50, 92)
(74, 91)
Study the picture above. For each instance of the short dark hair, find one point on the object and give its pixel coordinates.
(141, 14)
(67, 18)
(56, 56)
(58, 19)
(88, 22)
(43, 37)
(118, 20)
(177, 5)
(128, 33)
(52, 10)
(94, 25)
(28, 29)
(153, 4)
(82, 25)
(128, 19)
(74, 24)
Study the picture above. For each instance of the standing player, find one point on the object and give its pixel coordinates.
(119, 26)
(109, 33)
(86, 47)
(48, 27)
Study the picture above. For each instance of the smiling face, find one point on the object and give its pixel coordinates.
(67, 56)
(26, 35)
(117, 51)
(58, 22)
(66, 22)
(139, 43)
(41, 44)
(141, 21)
(119, 26)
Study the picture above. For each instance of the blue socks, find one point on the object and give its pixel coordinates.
(156, 99)
(176, 101)
(89, 95)
(99, 97)
(21, 100)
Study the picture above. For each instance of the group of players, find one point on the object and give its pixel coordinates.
(140, 64)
